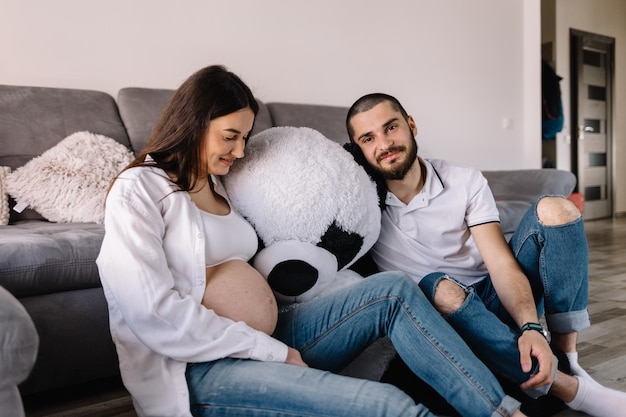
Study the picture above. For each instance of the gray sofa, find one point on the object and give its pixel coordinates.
(49, 267)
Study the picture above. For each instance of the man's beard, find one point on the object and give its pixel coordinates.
(398, 172)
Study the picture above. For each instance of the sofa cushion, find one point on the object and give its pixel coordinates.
(34, 119)
(40, 258)
(69, 182)
(329, 120)
(4, 197)
(141, 107)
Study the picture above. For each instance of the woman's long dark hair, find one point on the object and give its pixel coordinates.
(176, 142)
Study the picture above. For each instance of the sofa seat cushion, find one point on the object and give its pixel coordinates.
(38, 257)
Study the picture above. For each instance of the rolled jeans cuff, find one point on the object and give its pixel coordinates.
(543, 390)
(509, 404)
(568, 322)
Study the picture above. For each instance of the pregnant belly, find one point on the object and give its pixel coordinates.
(237, 291)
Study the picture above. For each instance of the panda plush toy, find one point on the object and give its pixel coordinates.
(315, 210)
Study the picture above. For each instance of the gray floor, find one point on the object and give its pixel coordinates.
(602, 347)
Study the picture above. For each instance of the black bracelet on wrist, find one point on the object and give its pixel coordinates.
(534, 326)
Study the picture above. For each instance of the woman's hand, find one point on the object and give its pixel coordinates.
(294, 358)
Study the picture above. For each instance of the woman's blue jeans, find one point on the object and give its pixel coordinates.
(330, 332)
(555, 260)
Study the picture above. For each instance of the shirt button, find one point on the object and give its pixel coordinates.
(270, 357)
(199, 235)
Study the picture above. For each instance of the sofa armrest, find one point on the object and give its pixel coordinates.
(516, 190)
(19, 343)
(530, 184)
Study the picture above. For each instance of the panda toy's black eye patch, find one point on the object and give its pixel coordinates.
(281, 278)
(344, 245)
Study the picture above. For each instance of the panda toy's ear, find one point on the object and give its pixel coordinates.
(359, 158)
(353, 148)
(343, 244)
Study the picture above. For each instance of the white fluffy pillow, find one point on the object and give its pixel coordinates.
(4, 197)
(68, 182)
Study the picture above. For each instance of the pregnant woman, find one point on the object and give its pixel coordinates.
(196, 328)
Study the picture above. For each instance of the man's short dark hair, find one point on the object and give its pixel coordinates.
(368, 101)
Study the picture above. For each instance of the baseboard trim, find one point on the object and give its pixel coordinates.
(117, 407)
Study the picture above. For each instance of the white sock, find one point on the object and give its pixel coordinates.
(576, 369)
(598, 401)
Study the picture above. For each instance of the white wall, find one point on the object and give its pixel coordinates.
(468, 71)
(608, 18)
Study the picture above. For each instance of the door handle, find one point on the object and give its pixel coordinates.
(580, 134)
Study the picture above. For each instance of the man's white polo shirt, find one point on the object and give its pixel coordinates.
(431, 233)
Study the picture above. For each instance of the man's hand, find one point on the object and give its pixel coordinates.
(532, 344)
(294, 358)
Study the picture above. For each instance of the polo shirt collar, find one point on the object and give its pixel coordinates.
(433, 186)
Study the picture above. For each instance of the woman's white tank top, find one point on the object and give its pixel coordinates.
(228, 237)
